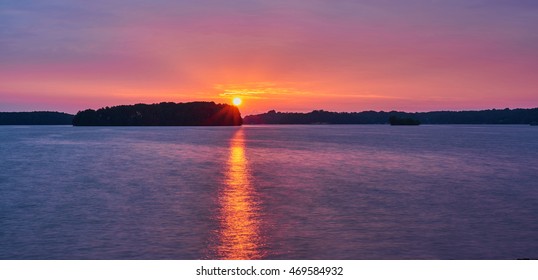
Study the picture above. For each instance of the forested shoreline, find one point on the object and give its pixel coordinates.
(494, 116)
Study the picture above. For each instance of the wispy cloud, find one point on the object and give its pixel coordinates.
(259, 90)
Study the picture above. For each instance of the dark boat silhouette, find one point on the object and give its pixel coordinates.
(393, 120)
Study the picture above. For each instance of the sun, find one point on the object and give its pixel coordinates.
(237, 101)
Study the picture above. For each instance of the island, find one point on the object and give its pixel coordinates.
(162, 114)
(35, 118)
(393, 120)
(493, 116)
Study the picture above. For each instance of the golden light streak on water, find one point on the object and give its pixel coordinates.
(239, 235)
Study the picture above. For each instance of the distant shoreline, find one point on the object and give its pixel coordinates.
(36, 118)
(193, 117)
(493, 116)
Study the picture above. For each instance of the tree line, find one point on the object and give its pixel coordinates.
(35, 118)
(162, 114)
(493, 116)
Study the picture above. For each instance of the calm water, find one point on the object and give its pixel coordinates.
(269, 192)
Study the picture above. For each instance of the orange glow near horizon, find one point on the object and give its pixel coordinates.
(239, 236)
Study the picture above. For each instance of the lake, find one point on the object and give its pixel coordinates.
(269, 192)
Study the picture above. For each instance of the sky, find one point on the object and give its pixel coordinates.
(286, 55)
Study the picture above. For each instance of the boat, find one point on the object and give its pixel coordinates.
(393, 120)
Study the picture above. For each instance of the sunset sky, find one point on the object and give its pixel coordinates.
(287, 55)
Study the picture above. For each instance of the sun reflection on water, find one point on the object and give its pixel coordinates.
(239, 235)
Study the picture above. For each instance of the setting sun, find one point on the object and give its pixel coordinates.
(237, 101)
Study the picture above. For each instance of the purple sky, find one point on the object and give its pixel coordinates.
(339, 55)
